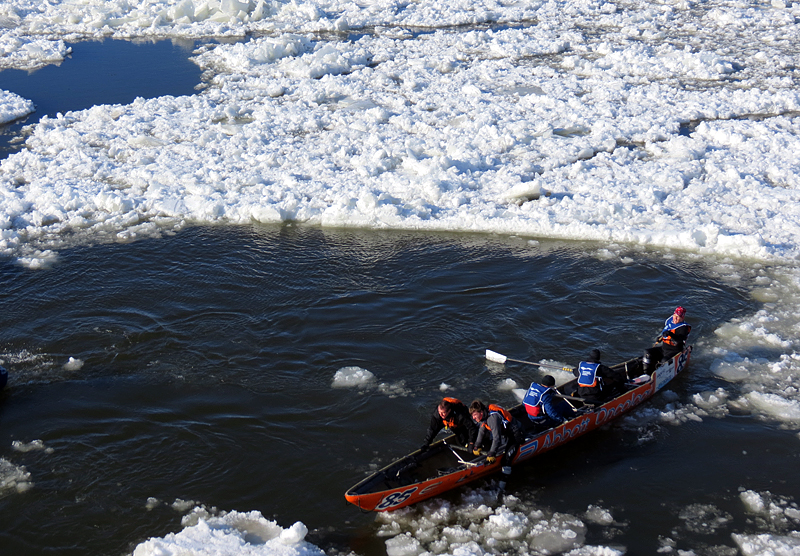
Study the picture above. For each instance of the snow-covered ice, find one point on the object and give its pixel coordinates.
(13, 107)
(232, 533)
(575, 127)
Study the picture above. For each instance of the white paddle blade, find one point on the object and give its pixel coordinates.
(496, 357)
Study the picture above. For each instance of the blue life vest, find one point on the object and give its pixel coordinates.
(533, 400)
(587, 376)
(669, 328)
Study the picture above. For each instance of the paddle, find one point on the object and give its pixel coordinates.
(500, 358)
(463, 462)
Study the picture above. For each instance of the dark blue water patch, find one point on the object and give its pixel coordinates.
(687, 128)
(100, 72)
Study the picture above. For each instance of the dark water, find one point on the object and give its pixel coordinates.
(209, 358)
(100, 72)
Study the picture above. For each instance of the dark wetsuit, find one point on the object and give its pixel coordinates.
(458, 422)
(505, 433)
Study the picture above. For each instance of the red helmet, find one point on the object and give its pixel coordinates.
(680, 311)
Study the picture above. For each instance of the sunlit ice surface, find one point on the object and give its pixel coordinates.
(670, 126)
(483, 522)
(562, 119)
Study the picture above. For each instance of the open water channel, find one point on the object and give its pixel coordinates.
(208, 365)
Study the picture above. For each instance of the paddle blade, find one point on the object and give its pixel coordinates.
(496, 357)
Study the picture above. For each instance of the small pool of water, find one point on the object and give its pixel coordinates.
(100, 72)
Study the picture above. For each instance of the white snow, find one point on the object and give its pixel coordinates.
(33, 445)
(507, 385)
(13, 478)
(233, 533)
(479, 526)
(768, 545)
(475, 525)
(13, 107)
(348, 377)
(73, 364)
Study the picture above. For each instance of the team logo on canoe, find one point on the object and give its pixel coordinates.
(669, 370)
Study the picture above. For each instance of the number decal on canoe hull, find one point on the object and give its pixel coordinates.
(395, 499)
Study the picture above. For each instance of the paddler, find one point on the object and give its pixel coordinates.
(596, 382)
(544, 409)
(506, 433)
(670, 342)
(675, 333)
(452, 415)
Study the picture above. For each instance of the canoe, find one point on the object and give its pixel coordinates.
(443, 467)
